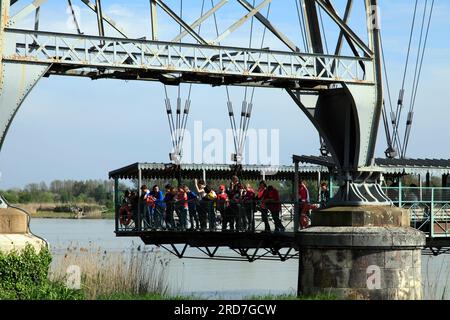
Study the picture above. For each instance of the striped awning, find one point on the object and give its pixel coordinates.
(213, 171)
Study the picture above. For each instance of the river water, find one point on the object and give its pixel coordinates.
(212, 278)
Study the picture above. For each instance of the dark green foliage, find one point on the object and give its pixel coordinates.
(24, 276)
(92, 191)
(150, 296)
(323, 296)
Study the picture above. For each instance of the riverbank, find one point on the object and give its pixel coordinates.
(281, 297)
(66, 215)
(66, 210)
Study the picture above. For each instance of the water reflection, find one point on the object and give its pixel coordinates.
(210, 278)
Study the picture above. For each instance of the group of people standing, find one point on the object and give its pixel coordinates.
(229, 208)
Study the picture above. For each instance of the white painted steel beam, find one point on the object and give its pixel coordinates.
(22, 14)
(116, 53)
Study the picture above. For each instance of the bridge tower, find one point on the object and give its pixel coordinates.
(347, 102)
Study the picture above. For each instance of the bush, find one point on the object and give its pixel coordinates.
(24, 276)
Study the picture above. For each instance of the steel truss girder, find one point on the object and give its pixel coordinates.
(80, 51)
(355, 110)
(435, 251)
(242, 254)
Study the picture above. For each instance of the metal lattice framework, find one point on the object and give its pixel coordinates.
(346, 83)
(207, 62)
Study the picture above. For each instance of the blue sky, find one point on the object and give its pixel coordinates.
(70, 128)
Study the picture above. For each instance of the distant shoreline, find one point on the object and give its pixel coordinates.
(68, 216)
(66, 211)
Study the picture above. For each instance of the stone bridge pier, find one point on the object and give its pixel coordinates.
(15, 233)
(361, 253)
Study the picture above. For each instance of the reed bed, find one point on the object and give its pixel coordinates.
(437, 285)
(104, 273)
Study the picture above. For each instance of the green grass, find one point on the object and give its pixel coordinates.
(108, 215)
(323, 296)
(52, 215)
(126, 296)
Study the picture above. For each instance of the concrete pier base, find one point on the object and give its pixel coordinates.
(361, 253)
(14, 231)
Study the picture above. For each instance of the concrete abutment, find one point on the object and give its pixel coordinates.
(361, 253)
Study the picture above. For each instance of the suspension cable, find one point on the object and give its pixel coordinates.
(323, 148)
(423, 55)
(245, 105)
(419, 65)
(229, 104)
(178, 112)
(178, 125)
(419, 49)
(323, 30)
(402, 90)
(188, 101)
(302, 25)
(390, 152)
(170, 118)
(249, 110)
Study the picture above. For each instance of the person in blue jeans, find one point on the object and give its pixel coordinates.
(192, 208)
(159, 208)
(181, 208)
(169, 200)
(146, 206)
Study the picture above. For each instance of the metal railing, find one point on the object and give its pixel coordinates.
(429, 208)
(206, 216)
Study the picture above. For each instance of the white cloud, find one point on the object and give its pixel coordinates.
(118, 10)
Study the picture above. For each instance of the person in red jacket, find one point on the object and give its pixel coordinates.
(181, 207)
(221, 205)
(303, 192)
(304, 205)
(261, 197)
(274, 206)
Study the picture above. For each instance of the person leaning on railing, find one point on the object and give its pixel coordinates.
(181, 208)
(222, 204)
(134, 200)
(169, 200)
(241, 214)
(249, 205)
(261, 197)
(234, 195)
(192, 208)
(146, 206)
(303, 195)
(324, 195)
(202, 207)
(273, 204)
(159, 206)
(209, 201)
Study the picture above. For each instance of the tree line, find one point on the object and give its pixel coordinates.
(68, 191)
(101, 192)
